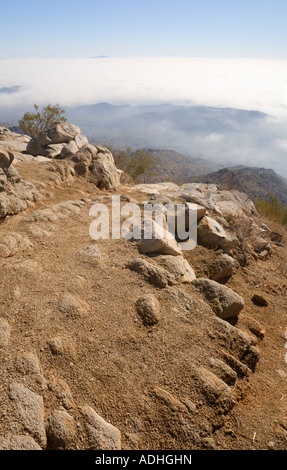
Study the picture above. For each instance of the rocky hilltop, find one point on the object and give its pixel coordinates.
(258, 183)
(122, 343)
(173, 166)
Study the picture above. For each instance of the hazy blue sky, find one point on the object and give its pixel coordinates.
(116, 28)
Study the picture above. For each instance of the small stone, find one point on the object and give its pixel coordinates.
(28, 363)
(102, 435)
(125, 197)
(4, 333)
(90, 253)
(73, 306)
(230, 432)
(208, 443)
(17, 293)
(13, 175)
(62, 346)
(255, 327)
(29, 411)
(190, 405)
(259, 300)
(283, 424)
(216, 392)
(14, 243)
(40, 233)
(148, 308)
(41, 382)
(223, 371)
(61, 430)
(172, 402)
(282, 373)
(179, 268)
(241, 369)
(156, 275)
(224, 301)
(6, 158)
(62, 391)
(223, 267)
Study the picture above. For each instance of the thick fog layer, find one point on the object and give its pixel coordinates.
(191, 87)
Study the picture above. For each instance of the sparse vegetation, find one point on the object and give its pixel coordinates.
(138, 165)
(255, 182)
(33, 123)
(273, 209)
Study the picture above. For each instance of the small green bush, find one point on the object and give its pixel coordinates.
(33, 123)
(273, 209)
(139, 165)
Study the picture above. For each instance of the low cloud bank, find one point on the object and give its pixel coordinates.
(244, 84)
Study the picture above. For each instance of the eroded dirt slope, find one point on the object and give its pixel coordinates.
(76, 338)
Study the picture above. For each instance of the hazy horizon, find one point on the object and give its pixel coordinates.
(258, 85)
(253, 84)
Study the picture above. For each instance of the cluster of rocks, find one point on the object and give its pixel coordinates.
(61, 139)
(15, 195)
(15, 141)
(97, 164)
(64, 150)
(65, 141)
(31, 426)
(163, 263)
(234, 356)
(225, 219)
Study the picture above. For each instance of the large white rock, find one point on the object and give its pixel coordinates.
(98, 166)
(104, 171)
(162, 242)
(234, 204)
(60, 133)
(69, 149)
(9, 136)
(52, 150)
(211, 234)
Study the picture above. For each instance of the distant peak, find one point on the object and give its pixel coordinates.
(10, 89)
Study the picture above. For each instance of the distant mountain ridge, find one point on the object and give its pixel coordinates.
(175, 167)
(255, 182)
(222, 135)
(10, 89)
(199, 131)
(191, 141)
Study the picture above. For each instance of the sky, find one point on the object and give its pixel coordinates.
(125, 28)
